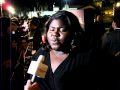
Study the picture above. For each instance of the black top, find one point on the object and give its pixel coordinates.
(37, 39)
(76, 72)
(111, 49)
(112, 42)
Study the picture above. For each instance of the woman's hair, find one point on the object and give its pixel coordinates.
(72, 24)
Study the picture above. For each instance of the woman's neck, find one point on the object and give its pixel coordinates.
(59, 53)
(56, 58)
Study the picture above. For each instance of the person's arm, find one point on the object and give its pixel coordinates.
(31, 85)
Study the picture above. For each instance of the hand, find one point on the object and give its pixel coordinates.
(31, 86)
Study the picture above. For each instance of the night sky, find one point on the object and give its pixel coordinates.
(30, 3)
(22, 4)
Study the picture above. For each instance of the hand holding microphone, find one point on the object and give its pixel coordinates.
(36, 68)
(31, 86)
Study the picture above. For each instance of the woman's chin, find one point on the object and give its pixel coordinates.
(55, 47)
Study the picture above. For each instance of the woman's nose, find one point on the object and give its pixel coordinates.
(56, 31)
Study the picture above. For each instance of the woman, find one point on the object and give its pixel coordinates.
(68, 68)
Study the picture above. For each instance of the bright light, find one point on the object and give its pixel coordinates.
(47, 13)
(11, 9)
(2, 1)
(118, 4)
(56, 9)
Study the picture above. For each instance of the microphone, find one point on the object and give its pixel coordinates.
(37, 68)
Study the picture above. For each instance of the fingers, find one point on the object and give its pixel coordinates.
(28, 83)
(35, 85)
(31, 86)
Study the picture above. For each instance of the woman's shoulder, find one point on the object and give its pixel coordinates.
(91, 54)
(88, 52)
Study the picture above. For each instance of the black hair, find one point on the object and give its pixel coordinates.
(35, 21)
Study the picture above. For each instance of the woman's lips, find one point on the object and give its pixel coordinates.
(55, 41)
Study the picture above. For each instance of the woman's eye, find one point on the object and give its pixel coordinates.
(51, 28)
(62, 29)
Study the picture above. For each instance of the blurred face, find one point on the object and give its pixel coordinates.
(57, 34)
(12, 28)
(114, 25)
(31, 26)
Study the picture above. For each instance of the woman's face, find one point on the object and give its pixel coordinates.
(57, 34)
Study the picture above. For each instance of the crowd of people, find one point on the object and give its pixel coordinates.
(18, 37)
(71, 65)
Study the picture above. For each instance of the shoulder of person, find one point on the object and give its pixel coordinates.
(40, 51)
(89, 56)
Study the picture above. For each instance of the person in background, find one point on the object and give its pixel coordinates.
(8, 52)
(111, 48)
(111, 43)
(99, 30)
(68, 67)
(35, 32)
